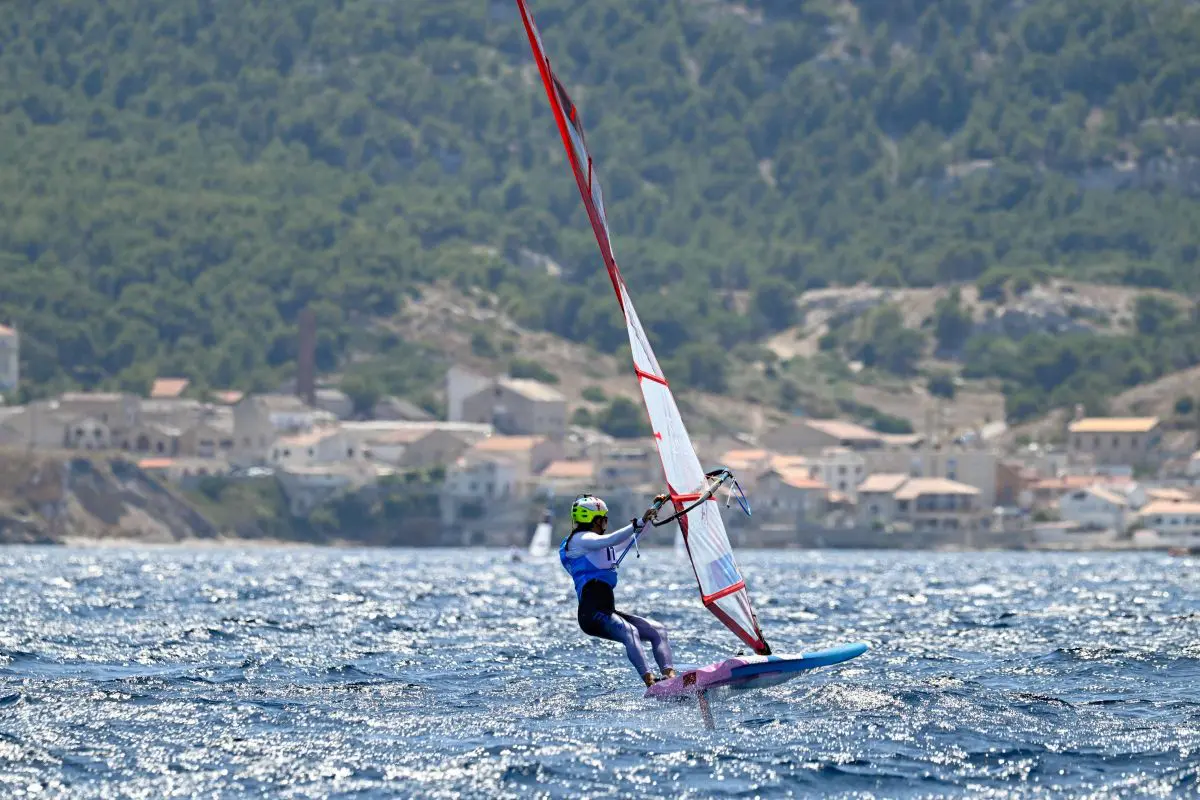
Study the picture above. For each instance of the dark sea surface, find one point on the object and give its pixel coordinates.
(297, 672)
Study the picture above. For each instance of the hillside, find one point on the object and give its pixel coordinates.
(178, 179)
(55, 498)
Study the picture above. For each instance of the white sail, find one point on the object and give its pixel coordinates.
(722, 589)
(539, 545)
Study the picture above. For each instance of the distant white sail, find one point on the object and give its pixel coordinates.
(539, 546)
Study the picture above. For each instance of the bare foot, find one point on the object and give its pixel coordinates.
(649, 679)
(668, 673)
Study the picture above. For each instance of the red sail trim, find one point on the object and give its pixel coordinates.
(757, 643)
(728, 590)
(641, 373)
(560, 101)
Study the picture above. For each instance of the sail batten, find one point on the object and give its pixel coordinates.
(722, 589)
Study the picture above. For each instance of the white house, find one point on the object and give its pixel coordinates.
(325, 445)
(1094, 506)
(1177, 524)
(258, 420)
(839, 468)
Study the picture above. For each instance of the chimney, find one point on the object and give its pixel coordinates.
(306, 357)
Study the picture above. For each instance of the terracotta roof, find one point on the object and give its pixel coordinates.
(1114, 425)
(798, 479)
(743, 456)
(1169, 495)
(788, 462)
(1166, 507)
(1067, 482)
(884, 482)
(230, 397)
(165, 388)
(306, 439)
(582, 470)
(508, 444)
(920, 486)
(156, 463)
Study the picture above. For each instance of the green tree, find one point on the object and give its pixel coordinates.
(624, 419)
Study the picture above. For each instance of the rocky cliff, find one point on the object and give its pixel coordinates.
(55, 498)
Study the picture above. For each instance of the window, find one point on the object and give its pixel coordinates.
(349, 452)
(1096, 442)
(1133, 441)
(1116, 442)
(1078, 442)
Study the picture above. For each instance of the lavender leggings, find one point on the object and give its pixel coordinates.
(598, 618)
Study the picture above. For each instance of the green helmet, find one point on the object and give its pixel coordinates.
(586, 508)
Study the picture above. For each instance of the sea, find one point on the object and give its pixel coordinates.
(300, 672)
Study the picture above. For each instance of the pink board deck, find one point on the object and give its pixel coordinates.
(752, 672)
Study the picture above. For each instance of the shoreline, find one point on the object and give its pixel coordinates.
(230, 543)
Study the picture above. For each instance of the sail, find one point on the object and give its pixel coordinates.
(539, 546)
(722, 589)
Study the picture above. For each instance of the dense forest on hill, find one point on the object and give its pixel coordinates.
(179, 177)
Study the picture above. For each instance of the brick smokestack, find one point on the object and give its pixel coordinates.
(306, 358)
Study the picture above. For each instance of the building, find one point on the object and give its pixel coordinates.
(153, 437)
(569, 477)
(939, 504)
(530, 455)
(1176, 524)
(336, 402)
(790, 496)
(1094, 507)
(922, 503)
(461, 383)
(10, 359)
(306, 487)
(1119, 441)
(258, 420)
(210, 438)
(804, 435)
(623, 466)
(482, 499)
(324, 445)
(840, 469)
(86, 433)
(977, 468)
(518, 408)
(120, 411)
(415, 445)
(877, 499)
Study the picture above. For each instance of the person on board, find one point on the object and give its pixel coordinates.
(590, 555)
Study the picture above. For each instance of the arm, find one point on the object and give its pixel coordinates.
(590, 541)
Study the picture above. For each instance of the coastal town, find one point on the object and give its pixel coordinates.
(505, 450)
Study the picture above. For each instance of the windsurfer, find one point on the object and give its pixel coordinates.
(590, 555)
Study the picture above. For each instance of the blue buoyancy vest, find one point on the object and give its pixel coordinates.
(584, 569)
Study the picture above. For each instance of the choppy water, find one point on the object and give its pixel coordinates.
(298, 672)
